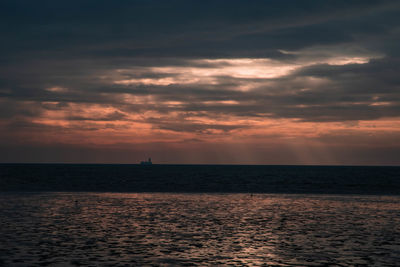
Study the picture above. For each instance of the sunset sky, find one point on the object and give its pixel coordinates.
(225, 82)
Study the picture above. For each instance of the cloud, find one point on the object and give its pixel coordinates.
(213, 71)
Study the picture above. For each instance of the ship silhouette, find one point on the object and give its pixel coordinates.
(146, 162)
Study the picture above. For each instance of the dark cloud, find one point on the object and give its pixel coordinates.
(158, 62)
(114, 116)
(96, 29)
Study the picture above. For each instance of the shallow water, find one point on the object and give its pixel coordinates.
(103, 229)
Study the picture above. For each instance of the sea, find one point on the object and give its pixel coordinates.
(198, 215)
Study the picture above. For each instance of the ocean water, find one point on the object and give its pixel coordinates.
(198, 229)
(199, 178)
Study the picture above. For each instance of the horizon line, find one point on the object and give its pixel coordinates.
(198, 164)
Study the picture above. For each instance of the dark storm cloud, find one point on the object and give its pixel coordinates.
(188, 126)
(71, 45)
(10, 109)
(95, 29)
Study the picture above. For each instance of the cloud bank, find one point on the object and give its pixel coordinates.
(311, 82)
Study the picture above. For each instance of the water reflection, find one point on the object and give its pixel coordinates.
(198, 229)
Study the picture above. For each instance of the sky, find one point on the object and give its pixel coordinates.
(200, 82)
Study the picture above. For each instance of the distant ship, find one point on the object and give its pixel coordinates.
(146, 162)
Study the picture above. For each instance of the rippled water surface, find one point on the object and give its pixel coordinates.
(103, 229)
